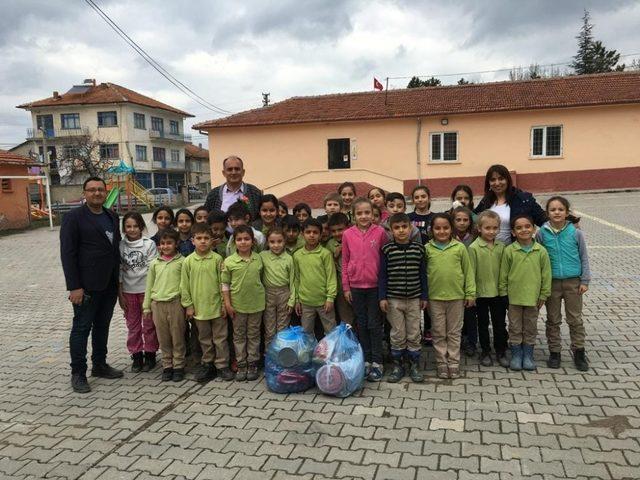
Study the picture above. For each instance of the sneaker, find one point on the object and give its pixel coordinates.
(414, 372)
(397, 372)
(226, 374)
(136, 365)
(206, 372)
(454, 371)
(443, 371)
(104, 370)
(149, 361)
(167, 374)
(580, 360)
(178, 374)
(367, 369)
(503, 360)
(485, 359)
(252, 372)
(241, 374)
(469, 350)
(427, 339)
(554, 360)
(79, 383)
(375, 375)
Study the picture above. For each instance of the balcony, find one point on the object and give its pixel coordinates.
(170, 137)
(54, 133)
(168, 165)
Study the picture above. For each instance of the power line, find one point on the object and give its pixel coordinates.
(177, 83)
(493, 71)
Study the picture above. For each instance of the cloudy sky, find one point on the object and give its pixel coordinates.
(230, 52)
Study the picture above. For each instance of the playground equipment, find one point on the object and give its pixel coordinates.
(123, 186)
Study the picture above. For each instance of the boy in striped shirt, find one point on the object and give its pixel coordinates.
(402, 291)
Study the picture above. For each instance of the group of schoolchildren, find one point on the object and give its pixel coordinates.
(221, 286)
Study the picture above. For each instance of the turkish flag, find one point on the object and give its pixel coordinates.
(377, 85)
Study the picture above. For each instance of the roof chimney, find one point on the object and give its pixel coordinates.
(56, 95)
(90, 81)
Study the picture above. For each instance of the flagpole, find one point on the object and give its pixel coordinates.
(386, 90)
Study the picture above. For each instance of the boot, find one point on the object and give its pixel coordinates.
(415, 373)
(580, 360)
(252, 372)
(554, 360)
(104, 370)
(79, 383)
(485, 359)
(502, 359)
(149, 361)
(516, 357)
(528, 363)
(136, 365)
(207, 372)
(178, 375)
(397, 371)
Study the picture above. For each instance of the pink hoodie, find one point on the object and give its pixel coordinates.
(361, 256)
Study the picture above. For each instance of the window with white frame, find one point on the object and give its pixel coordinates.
(546, 141)
(141, 153)
(159, 154)
(139, 121)
(107, 119)
(175, 156)
(70, 121)
(173, 127)
(109, 151)
(444, 147)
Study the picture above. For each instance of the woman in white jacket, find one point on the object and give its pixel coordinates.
(136, 253)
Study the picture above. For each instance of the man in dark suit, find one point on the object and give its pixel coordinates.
(89, 250)
(223, 196)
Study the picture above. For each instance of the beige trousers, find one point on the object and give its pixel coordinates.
(168, 317)
(404, 316)
(566, 290)
(276, 316)
(523, 325)
(212, 335)
(246, 337)
(446, 324)
(308, 318)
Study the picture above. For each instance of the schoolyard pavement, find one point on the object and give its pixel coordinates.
(489, 424)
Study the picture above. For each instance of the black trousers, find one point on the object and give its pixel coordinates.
(92, 317)
(366, 309)
(495, 307)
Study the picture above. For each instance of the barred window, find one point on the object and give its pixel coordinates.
(546, 141)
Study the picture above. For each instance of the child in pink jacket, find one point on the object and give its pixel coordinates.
(361, 246)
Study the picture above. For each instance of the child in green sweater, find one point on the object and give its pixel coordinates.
(278, 279)
(486, 254)
(244, 300)
(201, 296)
(452, 287)
(338, 223)
(315, 280)
(162, 298)
(525, 277)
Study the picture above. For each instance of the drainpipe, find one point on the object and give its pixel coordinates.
(418, 138)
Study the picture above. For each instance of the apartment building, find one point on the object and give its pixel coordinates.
(120, 125)
(198, 169)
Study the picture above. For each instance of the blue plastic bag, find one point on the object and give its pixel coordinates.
(289, 367)
(339, 361)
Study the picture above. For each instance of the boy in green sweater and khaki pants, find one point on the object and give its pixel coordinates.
(525, 277)
(315, 280)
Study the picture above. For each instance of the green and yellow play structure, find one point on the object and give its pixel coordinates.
(124, 190)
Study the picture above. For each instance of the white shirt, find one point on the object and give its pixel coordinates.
(504, 212)
(230, 197)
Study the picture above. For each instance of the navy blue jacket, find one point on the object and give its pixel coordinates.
(89, 259)
(520, 202)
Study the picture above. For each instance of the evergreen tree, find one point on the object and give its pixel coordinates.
(415, 82)
(462, 81)
(592, 56)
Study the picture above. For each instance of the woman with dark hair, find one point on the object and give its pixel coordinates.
(507, 201)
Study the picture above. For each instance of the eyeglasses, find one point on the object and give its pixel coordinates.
(95, 190)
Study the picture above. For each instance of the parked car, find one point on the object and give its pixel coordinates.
(195, 193)
(162, 196)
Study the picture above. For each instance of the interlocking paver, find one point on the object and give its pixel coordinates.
(492, 424)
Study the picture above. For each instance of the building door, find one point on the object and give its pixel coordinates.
(45, 122)
(339, 153)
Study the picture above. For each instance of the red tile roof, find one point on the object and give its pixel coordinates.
(103, 93)
(196, 152)
(559, 92)
(10, 158)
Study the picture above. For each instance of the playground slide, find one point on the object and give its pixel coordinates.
(112, 198)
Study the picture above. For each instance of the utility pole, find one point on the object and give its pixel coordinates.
(46, 168)
(265, 99)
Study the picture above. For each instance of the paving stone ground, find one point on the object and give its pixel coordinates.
(489, 424)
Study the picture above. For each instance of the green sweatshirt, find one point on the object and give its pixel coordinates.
(332, 246)
(525, 276)
(243, 276)
(315, 272)
(299, 244)
(449, 272)
(163, 281)
(485, 261)
(200, 285)
(279, 272)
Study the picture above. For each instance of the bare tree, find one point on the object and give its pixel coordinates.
(534, 71)
(84, 156)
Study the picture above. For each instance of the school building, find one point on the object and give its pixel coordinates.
(556, 134)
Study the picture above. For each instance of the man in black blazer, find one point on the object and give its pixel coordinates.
(223, 196)
(89, 250)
